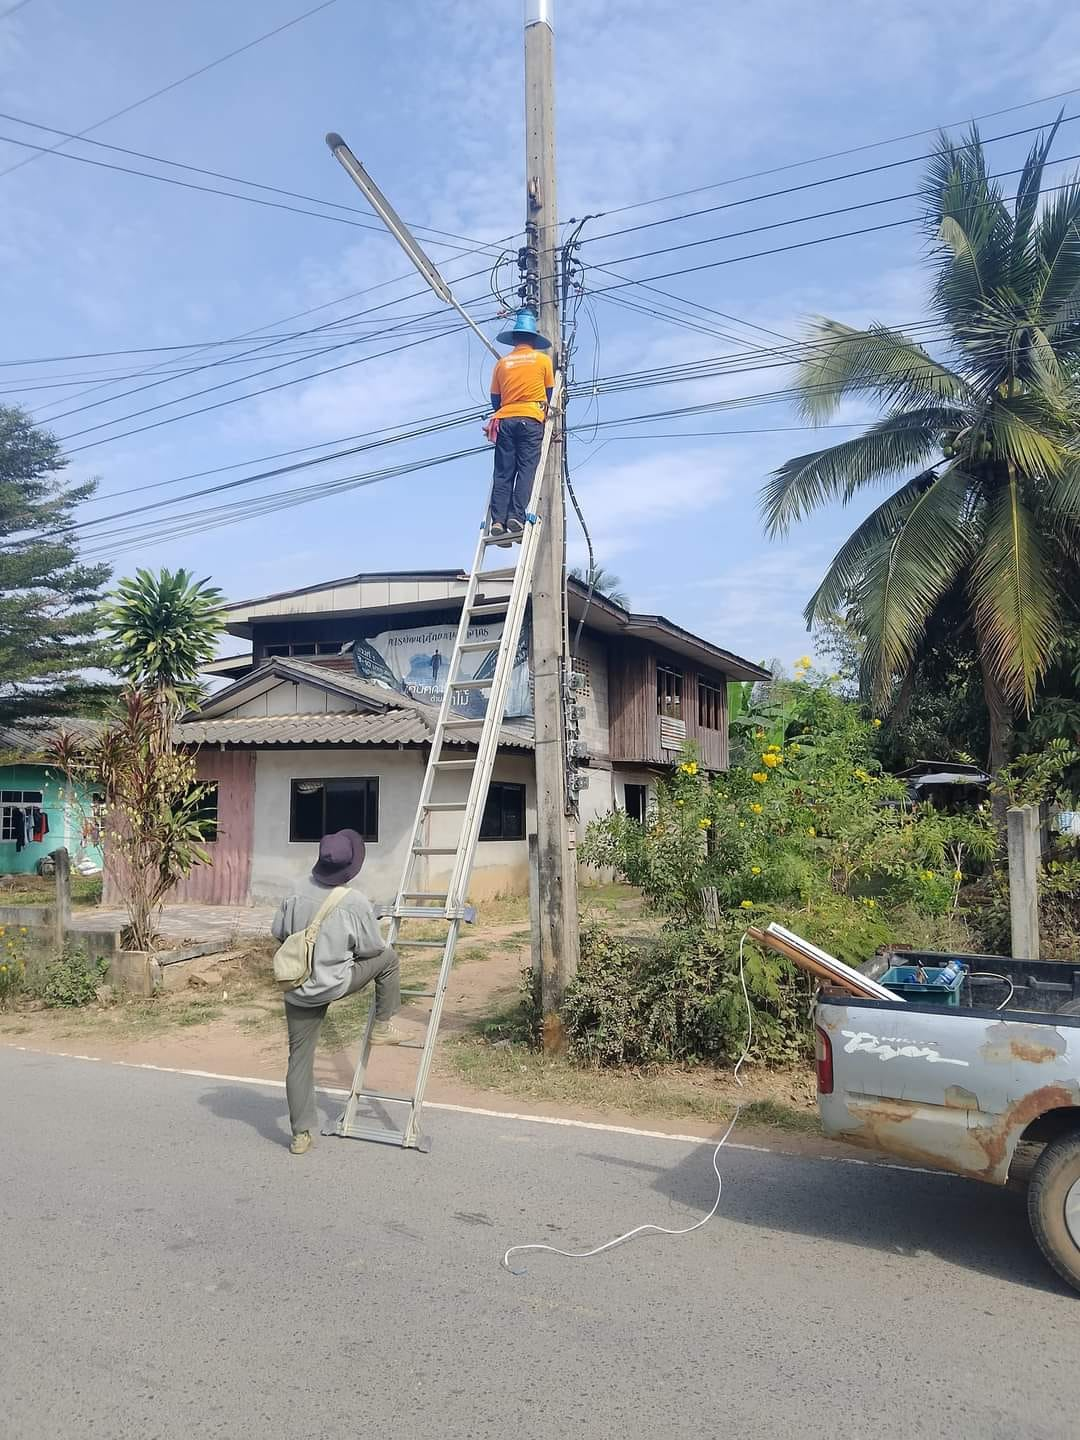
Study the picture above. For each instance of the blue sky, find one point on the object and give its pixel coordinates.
(652, 100)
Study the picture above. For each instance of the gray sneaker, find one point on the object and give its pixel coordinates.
(385, 1032)
(301, 1143)
(514, 529)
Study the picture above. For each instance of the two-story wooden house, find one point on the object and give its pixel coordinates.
(325, 724)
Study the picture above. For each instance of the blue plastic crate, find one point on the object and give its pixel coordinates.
(934, 990)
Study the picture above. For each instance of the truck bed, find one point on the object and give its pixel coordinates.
(956, 1088)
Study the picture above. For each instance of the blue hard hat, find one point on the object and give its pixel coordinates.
(524, 328)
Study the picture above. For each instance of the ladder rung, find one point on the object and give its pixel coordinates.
(428, 912)
(445, 804)
(477, 645)
(454, 764)
(434, 849)
(507, 573)
(482, 684)
(490, 607)
(422, 895)
(504, 540)
(381, 1095)
(472, 724)
(363, 1132)
(419, 994)
(421, 944)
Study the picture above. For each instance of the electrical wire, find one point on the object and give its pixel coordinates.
(650, 1229)
(378, 226)
(19, 5)
(817, 184)
(840, 154)
(183, 80)
(987, 975)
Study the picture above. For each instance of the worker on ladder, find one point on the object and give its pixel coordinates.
(521, 389)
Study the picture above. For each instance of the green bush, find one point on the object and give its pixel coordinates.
(69, 979)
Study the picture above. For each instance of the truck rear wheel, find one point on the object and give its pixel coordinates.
(1054, 1206)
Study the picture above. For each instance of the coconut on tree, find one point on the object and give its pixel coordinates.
(979, 436)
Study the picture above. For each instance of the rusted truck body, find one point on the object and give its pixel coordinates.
(962, 1089)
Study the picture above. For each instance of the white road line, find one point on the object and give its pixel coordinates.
(494, 1114)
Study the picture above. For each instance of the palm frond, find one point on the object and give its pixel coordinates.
(879, 362)
(970, 224)
(894, 444)
(1026, 207)
(848, 566)
(1018, 431)
(907, 572)
(1057, 242)
(1014, 596)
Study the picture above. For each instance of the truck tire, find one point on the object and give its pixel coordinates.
(1054, 1206)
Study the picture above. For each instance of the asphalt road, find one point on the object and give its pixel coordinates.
(170, 1271)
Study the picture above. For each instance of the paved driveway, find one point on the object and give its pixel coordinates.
(189, 922)
(170, 1271)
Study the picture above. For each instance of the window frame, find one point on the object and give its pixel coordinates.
(641, 792)
(669, 692)
(209, 809)
(496, 790)
(711, 703)
(370, 831)
(8, 806)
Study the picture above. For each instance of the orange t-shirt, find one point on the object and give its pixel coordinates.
(521, 381)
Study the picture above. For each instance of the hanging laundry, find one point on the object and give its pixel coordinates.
(18, 827)
(41, 826)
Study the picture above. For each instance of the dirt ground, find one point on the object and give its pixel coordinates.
(222, 1015)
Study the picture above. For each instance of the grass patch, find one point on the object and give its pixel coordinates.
(513, 1069)
(41, 890)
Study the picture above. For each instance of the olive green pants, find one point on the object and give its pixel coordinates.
(305, 1022)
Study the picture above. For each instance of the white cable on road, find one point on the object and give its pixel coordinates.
(660, 1229)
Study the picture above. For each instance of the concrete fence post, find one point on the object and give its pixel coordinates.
(1024, 853)
(62, 916)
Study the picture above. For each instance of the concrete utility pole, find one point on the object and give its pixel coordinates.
(556, 838)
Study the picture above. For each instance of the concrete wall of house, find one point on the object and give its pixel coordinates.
(279, 864)
(594, 698)
(68, 808)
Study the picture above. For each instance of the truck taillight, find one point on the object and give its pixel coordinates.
(824, 1062)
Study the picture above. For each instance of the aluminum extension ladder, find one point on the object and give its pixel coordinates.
(365, 1109)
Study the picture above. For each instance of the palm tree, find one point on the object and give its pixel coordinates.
(160, 630)
(602, 582)
(984, 442)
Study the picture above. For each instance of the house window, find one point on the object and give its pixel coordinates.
(583, 682)
(302, 649)
(636, 798)
(319, 807)
(710, 706)
(669, 693)
(272, 651)
(504, 813)
(12, 800)
(207, 810)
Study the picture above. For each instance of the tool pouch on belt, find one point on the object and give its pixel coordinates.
(491, 429)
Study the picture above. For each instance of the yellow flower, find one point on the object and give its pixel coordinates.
(810, 830)
(927, 874)
(690, 768)
(704, 824)
(742, 824)
(794, 749)
(22, 930)
(957, 875)
(803, 663)
(746, 904)
(756, 808)
(876, 724)
(680, 802)
(3, 969)
(770, 759)
(755, 869)
(760, 776)
(759, 734)
(773, 748)
(870, 904)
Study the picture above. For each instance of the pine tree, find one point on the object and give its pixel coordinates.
(47, 597)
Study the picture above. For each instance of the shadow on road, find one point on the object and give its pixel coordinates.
(962, 1222)
(264, 1112)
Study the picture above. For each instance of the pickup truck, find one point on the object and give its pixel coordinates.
(964, 1088)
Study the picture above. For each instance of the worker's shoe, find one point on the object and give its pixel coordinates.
(514, 529)
(496, 528)
(385, 1032)
(301, 1143)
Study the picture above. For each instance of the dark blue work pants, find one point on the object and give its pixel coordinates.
(517, 452)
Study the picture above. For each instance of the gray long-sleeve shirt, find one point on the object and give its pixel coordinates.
(350, 932)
